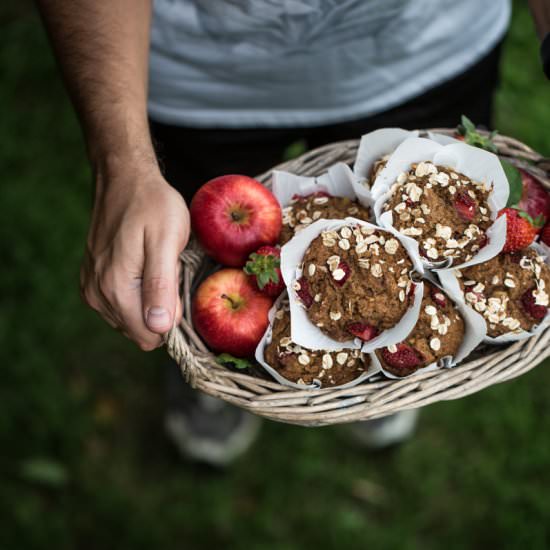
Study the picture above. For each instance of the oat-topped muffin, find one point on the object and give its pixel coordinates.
(510, 291)
(302, 366)
(304, 210)
(445, 211)
(377, 167)
(355, 282)
(438, 333)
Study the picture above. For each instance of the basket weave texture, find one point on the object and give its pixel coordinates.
(263, 396)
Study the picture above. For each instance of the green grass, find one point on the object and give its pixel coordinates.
(83, 462)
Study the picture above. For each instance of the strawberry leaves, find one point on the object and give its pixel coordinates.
(514, 181)
(468, 130)
(264, 267)
(228, 360)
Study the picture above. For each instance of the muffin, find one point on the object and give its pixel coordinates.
(510, 291)
(355, 282)
(438, 333)
(303, 366)
(377, 167)
(445, 211)
(304, 210)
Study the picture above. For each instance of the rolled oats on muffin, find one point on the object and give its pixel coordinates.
(303, 366)
(438, 333)
(446, 212)
(304, 210)
(355, 282)
(510, 291)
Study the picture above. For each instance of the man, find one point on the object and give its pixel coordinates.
(231, 84)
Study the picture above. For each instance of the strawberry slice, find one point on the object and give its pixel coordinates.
(535, 310)
(363, 331)
(404, 359)
(304, 293)
(465, 206)
(438, 297)
(347, 272)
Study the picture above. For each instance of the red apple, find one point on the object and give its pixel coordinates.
(230, 313)
(233, 216)
(535, 200)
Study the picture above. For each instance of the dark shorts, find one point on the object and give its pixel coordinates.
(191, 156)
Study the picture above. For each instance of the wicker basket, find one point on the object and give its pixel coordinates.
(265, 397)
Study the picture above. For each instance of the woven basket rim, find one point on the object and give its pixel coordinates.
(368, 400)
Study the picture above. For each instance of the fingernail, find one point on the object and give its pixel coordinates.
(157, 317)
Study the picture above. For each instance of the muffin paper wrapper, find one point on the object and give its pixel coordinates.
(338, 181)
(476, 164)
(449, 282)
(373, 368)
(303, 331)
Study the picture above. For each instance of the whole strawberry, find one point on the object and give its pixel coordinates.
(521, 229)
(544, 235)
(264, 266)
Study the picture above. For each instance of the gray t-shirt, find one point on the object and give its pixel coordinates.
(277, 63)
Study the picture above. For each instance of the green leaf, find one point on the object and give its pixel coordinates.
(468, 125)
(237, 362)
(514, 181)
(44, 471)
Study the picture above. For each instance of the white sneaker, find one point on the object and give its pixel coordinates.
(384, 432)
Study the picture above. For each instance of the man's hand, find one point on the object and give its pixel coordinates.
(130, 272)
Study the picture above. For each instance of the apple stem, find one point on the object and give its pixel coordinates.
(236, 217)
(231, 301)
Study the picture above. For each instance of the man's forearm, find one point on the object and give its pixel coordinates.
(540, 10)
(102, 48)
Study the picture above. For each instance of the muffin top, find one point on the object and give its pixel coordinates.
(355, 282)
(304, 210)
(303, 366)
(438, 333)
(510, 291)
(445, 211)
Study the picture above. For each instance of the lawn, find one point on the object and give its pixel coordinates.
(83, 461)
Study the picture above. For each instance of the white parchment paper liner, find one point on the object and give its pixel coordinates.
(303, 331)
(372, 147)
(338, 181)
(475, 330)
(374, 366)
(476, 164)
(449, 282)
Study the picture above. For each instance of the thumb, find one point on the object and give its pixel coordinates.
(160, 285)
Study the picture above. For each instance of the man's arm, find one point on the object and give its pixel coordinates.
(139, 223)
(540, 9)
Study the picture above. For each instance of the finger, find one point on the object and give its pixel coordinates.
(123, 297)
(159, 288)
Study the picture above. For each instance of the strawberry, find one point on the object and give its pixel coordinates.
(534, 198)
(521, 229)
(403, 359)
(264, 267)
(304, 293)
(465, 206)
(346, 269)
(535, 310)
(363, 331)
(438, 297)
(545, 234)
